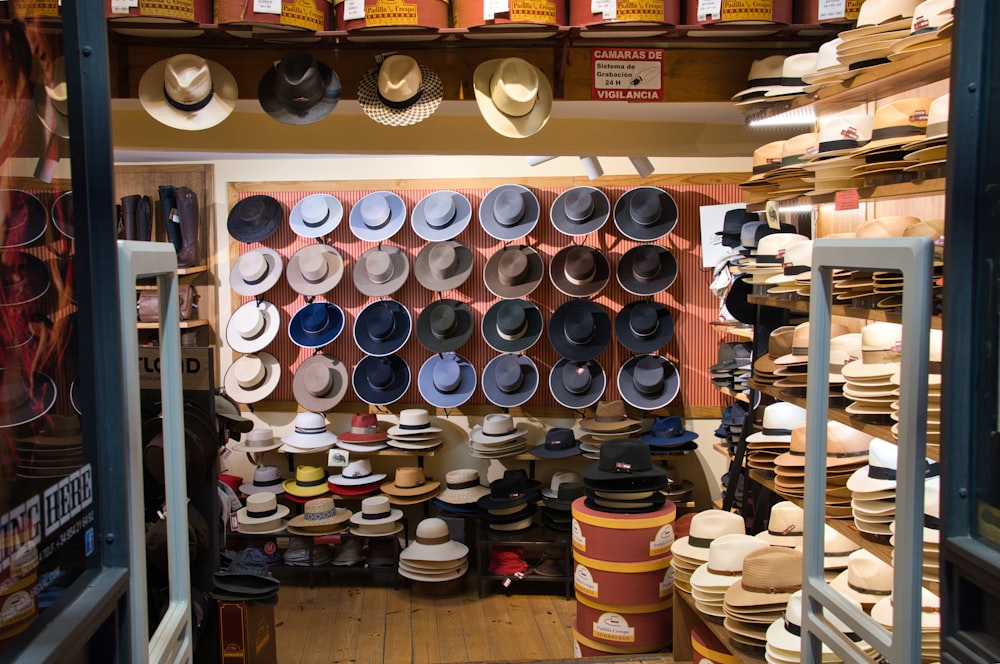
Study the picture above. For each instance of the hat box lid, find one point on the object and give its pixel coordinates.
(732, 11)
(649, 585)
(623, 537)
(628, 625)
(230, 12)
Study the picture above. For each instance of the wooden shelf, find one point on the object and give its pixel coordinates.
(802, 307)
(184, 324)
(913, 188)
(742, 332)
(184, 275)
(723, 450)
(392, 452)
(685, 617)
(739, 396)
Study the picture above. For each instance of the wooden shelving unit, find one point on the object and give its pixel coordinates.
(723, 450)
(802, 307)
(686, 616)
(184, 325)
(742, 332)
(739, 396)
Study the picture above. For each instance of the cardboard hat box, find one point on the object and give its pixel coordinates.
(479, 13)
(587, 647)
(392, 15)
(643, 626)
(186, 14)
(623, 583)
(708, 648)
(628, 538)
(314, 15)
(743, 13)
(663, 12)
(246, 633)
(808, 12)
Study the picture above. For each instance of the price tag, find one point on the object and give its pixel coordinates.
(267, 7)
(234, 522)
(847, 200)
(225, 453)
(831, 9)
(354, 10)
(709, 9)
(494, 7)
(506, 582)
(607, 8)
(119, 6)
(337, 458)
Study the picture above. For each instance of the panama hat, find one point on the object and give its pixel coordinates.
(580, 211)
(770, 576)
(509, 212)
(319, 516)
(379, 381)
(261, 515)
(644, 327)
(310, 433)
(866, 580)
(496, 429)
(188, 92)
(580, 330)
(265, 479)
(377, 216)
(793, 69)
(381, 271)
(376, 518)
(785, 633)
(256, 441)
(382, 327)
(320, 383)
(766, 158)
(252, 378)
(433, 544)
(298, 89)
(648, 382)
(514, 271)
(441, 215)
(647, 269)
(513, 95)
(881, 16)
(784, 525)
(936, 131)
(579, 271)
(462, 487)
(315, 269)
(446, 380)
(724, 566)
(253, 326)
(316, 324)
(705, 527)
(443, 265)
(444, 325)
(764, 73)
(364, 429)
(410, 482)
(512, 326)
(254, 218)
(898, 122)
(356, 473)
(645, 213)
(509, 380)
(398, 92)
(930, 26)
(845, 446)
(256, 271)
(842, 134)
(577, 385)
(24, 219)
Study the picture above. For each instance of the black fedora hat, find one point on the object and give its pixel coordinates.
(645, 213)
(508, 491)
(624, 502)
(648, 382)
(647, 269)
(644, 327)
(577, 385)
(509, 380)
(444, 325)
(514, 271)
(24, 219)
(559, 443)
(740, 308)
(624, 464)
(579, 271)
(382, 327)
(732, 225)
(201, 444)
(580, 330)
(298, 89)
(512, 326)
(509, 212)
(254, 219)
(380, 380)
(580, 210)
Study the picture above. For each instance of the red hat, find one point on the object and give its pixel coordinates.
(364, 429)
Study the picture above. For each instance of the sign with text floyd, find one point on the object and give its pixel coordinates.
(627, 74)
(196, 368)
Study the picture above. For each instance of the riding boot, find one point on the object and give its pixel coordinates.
(168, 203)
(144, 220)
(129, 206)
(187, 209)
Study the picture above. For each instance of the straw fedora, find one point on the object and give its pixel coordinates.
(513, 95)
(441, 215)
(785, 633)
(298, 89)
(793, 70)
(645, 213)
(443, 265)
(188, 92)
(496, 429)
(261, 515)
(800, 344)
(766, 158)
(444, 325)
(580, 330)
(376, 511)
(898, 122)
(724, 566)
(784, 526)
(381, 271)
(309, 482)
(462, 487)
(509, 212)
(577, 385)
(647, 269)
(609, 417)
(446, 380)
(316, 324)
(866, 579)
(648, 382)
(252, 378)
(315, 269)
(433, 544)
(510, 380)
(256, 440)
(930, 26)
(410, 482)
(256, 271)
(253, 326)
(512, 326)
(579, 271)
(881, 16)
(828, 67)
(580, 210)
(319, 516)
(705, 527)
(266, 479)
(310, 433)
(845, 446)
(936, 131)
(254, 218)
(377, 216)
(879, 352)
(379, 381)
(514, 271)
(770, 576)
(51, 99)
(364, 429)
(382, 327)
(764, 73)
(320, 383)
(842, 134)
(398, 92)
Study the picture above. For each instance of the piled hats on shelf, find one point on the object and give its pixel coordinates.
(866, 580)
(246, 579)
(309, 436)
(668, 436)
(931, 534)
(497, 437)
(410, 487)
(565, 487)
(624, 479)
(356, 479)
(305, 551)
(320, 516)
(510, 504)
(414, 432)
(784, 635)
(377, 518)
(930, 623)
(731, 425)
(769, 577)
(366, 434)
(779, 343)
(712, 579)
(732, 370)
(785, 525)
(608, 422)
(462, 488)
(433, 557)
(836, 549)
(692, 551)
(775, 435)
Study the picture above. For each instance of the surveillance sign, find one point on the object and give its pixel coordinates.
(627, 74)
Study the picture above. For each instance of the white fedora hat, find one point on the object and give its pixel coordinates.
(188, 92)
(514, 96)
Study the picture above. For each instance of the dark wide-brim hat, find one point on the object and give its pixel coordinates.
(609, 503)
(509, 380)
(577, 385)
(446, 380)
(62, 214)
(441, 215)
(25, 396)
(739, 306)
(647, 269)
(388, 272)
(201, 446)
(512, 326)
(382, 327)
(644, 327)
(381, 380)
(444, 325)
(24, 278)
(624, 464)
(579, 271)
(316, 324)
(254, 219)
(580, 210)
(24, 220)
(580, 330)
(514, 271)
(648, 382)
(320, 383)
(298, 89)
(443, 265)
(509, 212)
(645, 213)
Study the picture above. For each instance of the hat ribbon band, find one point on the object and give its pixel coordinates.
(725, 572)
(788, 532)
(880, 356)
(792, 628)
(868, 591)
(267, 482)
(864, 65)
(776, 432)
(883, 473)
(700, 542)
(463, 485)
(906, 131)
(189, 108)
(764, 168)
(258, 515)
(516, 334)
(582, 280)
(319, 516)
(318, 222)
(498, 435)
(766, 81)
(838, 455)
(414, 427)
(609, 418)
(259, 383)
(443, 539)
(937, 130)
(771, 590)
(791, 81)
(932, 522)
(793, 270)
(842, 144)
(411, 486)
(364, 431)
(402, 104)
(310, 431)
(300, 483)
(376, 515)
(642, 334)
(261, 278)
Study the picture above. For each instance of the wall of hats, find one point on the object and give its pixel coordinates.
(471, 293)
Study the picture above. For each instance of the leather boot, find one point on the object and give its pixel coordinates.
(168, 203)
(187, 208)
(129, 206)
(144, 220)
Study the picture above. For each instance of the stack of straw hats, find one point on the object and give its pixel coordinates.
(433, 557)
(692, 550)
(497, 437)
(712, 579)
(608, 422)
(769, 578)
(410, 487)
(415, 432)
(775, 434)
(364, 435)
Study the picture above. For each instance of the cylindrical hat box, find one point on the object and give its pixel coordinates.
(708, 648)
(310, 15)
(18, 596)
(584, 13)
(530, 13)
(391, 14)
(808, 12)
(742, 12)
(623, 583)
(44, 10)
(627, 538)
(584, 647)
(647, 625)
(180, 12)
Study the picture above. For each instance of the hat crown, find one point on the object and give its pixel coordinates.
(514, 87)
(262, 502)
(881, 336)
(509, 374)
(764, 68)
(772, 570)
(727, 552)
(250, 371)
(439, 209)
(877, 12)
(512, 268)
(561, 477)
(447, 375)
(711, 524)
(315, 318)
(461, 476)
(367, 421)
(414, 418)
(649, 375)
(249, 322)
(253, 266)
(856, 127)
(498, 424)
(314, 210)
(306, 474)
(380, 374)
(932, 497)
(375, 211)
(610, 411)
(882, 455)
(432, 529)
(319, 506)
(265, 474)
(579, 325)
(911, 111)
(313, 263)
(841, 440)
(319, 379)
(399, 78)
(646, 264)
(259, 437)
(644, 206)
(187, 79)
(509, 207)
(770, 245)
(375, 505)
(769, 153)
(310, 424)
(251, 211)
(358, 468)
(560, 438)
(867, 574)
(779, 342)
(579, 204)
(799, 64)
(443, 321)
(671, 425)
(443, 260)
(826, 56)
(891, 226)
(576, 377)
(408, 477)
(508, 489)
(381, 322)
(786, 519)
(625, 455)
(799, 146)
(512, 319)
(793, 613)
(379, 267)
(581, 265)
(299, 82)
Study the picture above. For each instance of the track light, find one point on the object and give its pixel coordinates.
(535, 161)
(642, 165)
(592, 167)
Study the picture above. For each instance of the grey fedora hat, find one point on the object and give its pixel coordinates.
(443, 265)
(579, 271)
(514, 271)
(314, 269)
(512, 326)
(320, 383)
(580, 330)
(377, 216)
(647, 269)
(441, 215)
(381, 271)
(648, 382)
(509, 212)
(580, 210)
(444, 325)
(446, 380)
(577, 385)
(509, 380)
(645, 213)
(382, 327)
(644, 327)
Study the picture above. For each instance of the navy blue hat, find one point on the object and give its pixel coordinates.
(316, 324)
(446, 380)
(382, 327)
(381, 380)
(669, 432)
(559, 444)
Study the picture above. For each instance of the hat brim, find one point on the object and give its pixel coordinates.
(529, 382)
(505, 233)
(305, 340)
(463, 322)
(427, 279)
(397, 217)
(334, 273)
(392, 393)
(431, 94)
(454, 398)
(457, 224)
(506, 125)
(268, 98)
(401, 270)
(536, 271)
(323, 402)
(358, 518)
(654, 342)
(402, 326)
(427, 490)
(573, 400)
(62, 214)
(601, 276)
(661, 227)
(342, 515)
(580, 352)
(274, 269)
(599, 215)
(152, 96)
(272, 371)
(451, 575)
(25, 220)
(273, 215)
(272, 323)
(25, 278)
(532, 332)
(668, 392)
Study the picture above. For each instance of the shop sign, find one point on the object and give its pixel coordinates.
(196, 368)
(627, 74)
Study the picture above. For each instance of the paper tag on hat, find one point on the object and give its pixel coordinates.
(354, 10)
(234, 522)
(267, 7)
(337, 457)
(607, 8)
(831, 9)
(225, 452)
(120, 6)
(494, 7)
(708, 9)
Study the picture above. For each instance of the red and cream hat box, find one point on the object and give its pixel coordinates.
(587, 13)
(628, 538)
(707, 647)
(818, 12)
(623, 583)
(741, 12)
(394, 15)
(187, 15)
(309, 15)
(647, 625)
(585, 647)
(526, 13)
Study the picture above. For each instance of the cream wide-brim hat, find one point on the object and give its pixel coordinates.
(509, 125)
(152, 96)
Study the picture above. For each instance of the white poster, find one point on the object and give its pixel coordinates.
(712, 217)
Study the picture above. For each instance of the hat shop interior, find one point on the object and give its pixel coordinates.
(501, 331)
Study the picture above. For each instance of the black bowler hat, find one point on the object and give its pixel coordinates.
(644, 327)
(382, 327)
(580, 330)
(647, 269)
(512, 326)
